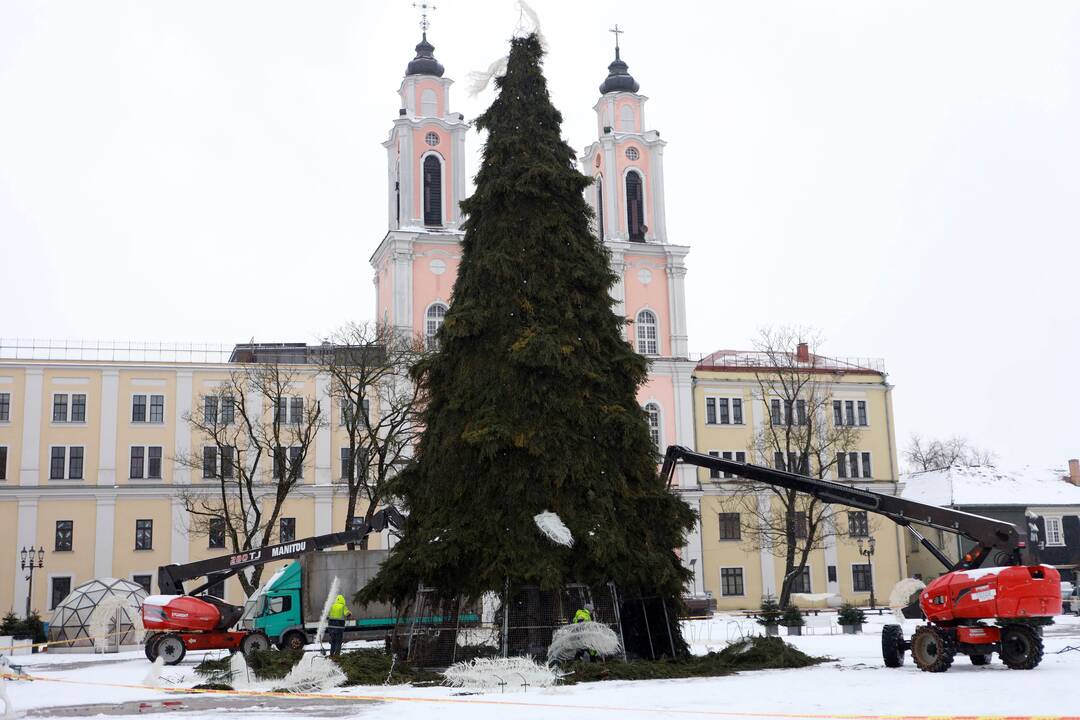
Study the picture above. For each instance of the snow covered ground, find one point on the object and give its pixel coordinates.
(856, 683)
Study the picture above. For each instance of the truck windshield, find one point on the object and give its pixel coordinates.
(253, 608)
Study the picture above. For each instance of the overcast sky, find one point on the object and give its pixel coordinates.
(903, 176)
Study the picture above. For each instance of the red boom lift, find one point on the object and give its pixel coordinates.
(177, 621)
(959, 606)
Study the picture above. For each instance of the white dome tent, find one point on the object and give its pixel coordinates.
(74, 618)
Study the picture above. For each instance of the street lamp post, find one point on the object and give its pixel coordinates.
(31, 559)
(868, 552)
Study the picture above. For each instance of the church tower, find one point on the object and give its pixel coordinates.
(416, 262)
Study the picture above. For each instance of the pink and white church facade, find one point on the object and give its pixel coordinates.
(416, 262)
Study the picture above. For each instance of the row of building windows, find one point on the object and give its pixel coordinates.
(849, 465)
(732, 582)
(729, 411)
(64, 538)
(730, 525)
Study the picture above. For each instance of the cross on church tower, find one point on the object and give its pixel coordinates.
(424, 7)
(617, 33)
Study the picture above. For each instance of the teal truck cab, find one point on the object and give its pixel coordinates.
(288, 607)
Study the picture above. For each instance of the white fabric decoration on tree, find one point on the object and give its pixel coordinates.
(553, 527)
(569, 639)
(507, 674)
(901, 594)
(528, 24)
(330, 597)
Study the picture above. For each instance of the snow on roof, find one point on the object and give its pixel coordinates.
(984, 485)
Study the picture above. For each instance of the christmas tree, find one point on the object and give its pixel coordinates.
(532, 401)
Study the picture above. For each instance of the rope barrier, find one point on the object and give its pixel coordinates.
(92, 639)
(526, 704)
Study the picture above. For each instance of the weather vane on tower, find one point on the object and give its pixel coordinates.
(424, 7)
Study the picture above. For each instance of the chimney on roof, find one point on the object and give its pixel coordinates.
(802, 352)
(1074, 472)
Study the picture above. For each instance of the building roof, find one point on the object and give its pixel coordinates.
(755, 360)
(619, 78)
(424, 63)
(968, 486)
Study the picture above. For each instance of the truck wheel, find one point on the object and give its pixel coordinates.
(148, 646)
(254, 642)
(892, 645)
(171, 647)
(932, 649)
(980, 659)
(1021, 647)
(293, 640)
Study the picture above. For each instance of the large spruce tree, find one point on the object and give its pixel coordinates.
(532, 401)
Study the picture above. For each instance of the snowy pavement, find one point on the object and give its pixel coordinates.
(855, 683)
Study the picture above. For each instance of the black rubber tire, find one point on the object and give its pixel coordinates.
(171, 647)
(932, 649)
(148, 646)
(254, 642)
(980, 659)
(293, 640)
(1021, 647)
(892, 645)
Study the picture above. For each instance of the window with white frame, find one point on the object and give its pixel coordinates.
(69, 408)
(59, 588)
(723, 411)
(144, 581)
(731, 582)
(645, 330)
(348, 407)
(1054, 534)
(854, 465)
(67, 458)
(652, 414)
(148, 409)
(289, 410)
(145, 462)
(801, 582)
(851, 413)
(792, 462)
(433, 320)
(5, 407)
(858, 524)
(736, 455)
(861, 577)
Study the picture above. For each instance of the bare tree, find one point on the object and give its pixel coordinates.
(369, 365)
(800, 434)
(937, 454)
(257, 433)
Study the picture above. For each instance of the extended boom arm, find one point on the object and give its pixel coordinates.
(171, 578)
(988, 533)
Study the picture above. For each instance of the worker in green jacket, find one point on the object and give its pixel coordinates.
(335, 622)
(585, 614)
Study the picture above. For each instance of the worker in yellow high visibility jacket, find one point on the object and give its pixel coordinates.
(585, 614)
(335, 622)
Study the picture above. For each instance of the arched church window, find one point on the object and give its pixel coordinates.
(432, 322)
(429, 103)
(652, 415)
(432, 190)
(600, 206)
(635, 206)
(646, 334)
(626, 119)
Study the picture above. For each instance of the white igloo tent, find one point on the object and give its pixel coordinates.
(73, 618)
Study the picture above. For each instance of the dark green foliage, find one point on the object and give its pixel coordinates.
(769, 612)
(792, 617)
(756, 653)
(31, 627)
(532, 397)
(850, 615)
(361, 667)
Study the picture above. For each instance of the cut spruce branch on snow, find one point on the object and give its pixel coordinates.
(508, 674)
(554, 529)
(570, 639)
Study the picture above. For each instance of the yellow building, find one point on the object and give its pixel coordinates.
(736, 402)
(89, 471)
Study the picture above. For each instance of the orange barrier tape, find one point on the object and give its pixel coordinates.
(526, 704)
(73, 640)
